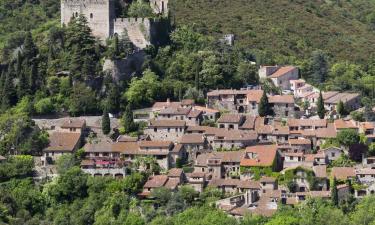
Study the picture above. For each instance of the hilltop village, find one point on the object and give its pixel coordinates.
(284, 156)
(156, 135)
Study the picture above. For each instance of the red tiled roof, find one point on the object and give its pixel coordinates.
(343, 173)
(73, 123)
(175, 172)
(254, 95)
(281, 99)
(282, 71)
(192, 139)
(167, 123)
(299, 141)
(156, 181)
(264, 155)
(60, 141)
(230, 118)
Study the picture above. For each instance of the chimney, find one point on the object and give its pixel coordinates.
(168, 100)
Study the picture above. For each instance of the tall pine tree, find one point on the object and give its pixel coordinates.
(106, 123)
(320, 106)
(334, 192)
(127, 120)
(341, 108)
(264, 106)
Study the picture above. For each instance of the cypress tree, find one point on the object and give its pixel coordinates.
(106, 123)
(340, 108)
(33, 77)
(30, 50)
(127, 119)
(320, 106)
(7, 91)
(264, 107)
(334, 193)
(116, 50)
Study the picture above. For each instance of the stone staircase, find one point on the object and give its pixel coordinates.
(137, 37)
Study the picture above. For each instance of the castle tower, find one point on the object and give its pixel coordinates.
(99, 13)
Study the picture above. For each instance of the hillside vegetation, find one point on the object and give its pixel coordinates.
(287, 28)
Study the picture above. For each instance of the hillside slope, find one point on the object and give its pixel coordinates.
(287, 27)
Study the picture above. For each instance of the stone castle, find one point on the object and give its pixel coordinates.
(102, 20)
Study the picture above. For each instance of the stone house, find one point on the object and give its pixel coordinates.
(208, 113)
(282, 105)
(366, 175)
(343, 173)
(332, 153)
(368, 129)
(300, 144)
(233, 139)
(193, 144)
(219, 164)
(230, 121)
(197, 180)
(261, 157)
(280, 75)
(169, 130)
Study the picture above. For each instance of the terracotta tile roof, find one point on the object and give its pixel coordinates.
(175, 172)
(307, 122)
(343, 173)
(294, 154)
(156, 181)
(225, 157)
(265, 179)
(175, 111)
(235, 135)
(329, 132)
(249, 122)
(320, 171)
(280, 130)
(65, 142)
(344, 124)
(368, 125)
(102, 146)
(263, 155)
(205, 109)
(299, 141)
(230, 118)
(281, 99)
(167, 104)
(196, 128)
(320, 194)
(131, 148)
(194, 113)
(155, 144)
(177, 148)
(197, 175)
(192, 139)
(248, 184)
(265, 129)
(282, 71)
(73, 123)
(167, 123)
(342, 186)
(172, 183)
(254, 95)
(224, 182)
(344, 97)
(308, 133)
(187, 102)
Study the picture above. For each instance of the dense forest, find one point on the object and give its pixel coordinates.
(47, 69)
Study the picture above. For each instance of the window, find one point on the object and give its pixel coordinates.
(169, 129)
(286, 113)
(91, 15)
(291, 158)
(333, 154)
(155, 129)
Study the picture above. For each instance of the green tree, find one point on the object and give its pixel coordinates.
(140, 9)
(44, 106)
(362, 213)
(127, 120)
(319, 66)
(320, 106)
(264, 107)
(334, 192)
(106, 122)
(82, 100)
(341, 108)
(348, 137)
(65, 162)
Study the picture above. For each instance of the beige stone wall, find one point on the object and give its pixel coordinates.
(99, 14)
(164, 134)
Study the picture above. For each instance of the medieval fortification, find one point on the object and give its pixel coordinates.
(104, 24)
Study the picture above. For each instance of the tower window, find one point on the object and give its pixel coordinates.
(91, 15)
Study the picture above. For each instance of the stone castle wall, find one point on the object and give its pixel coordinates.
(99, 14)
(138, 30)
